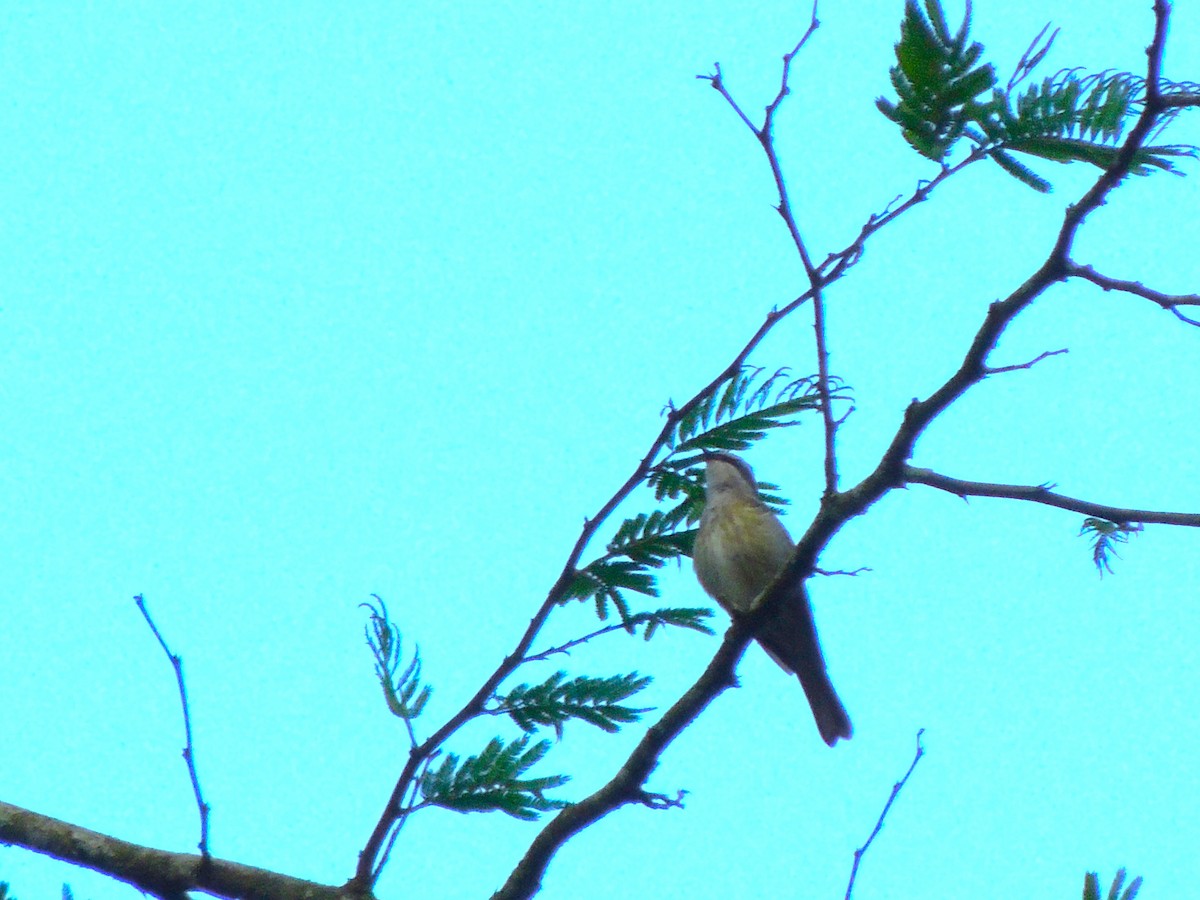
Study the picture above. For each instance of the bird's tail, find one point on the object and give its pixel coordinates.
(790, 637)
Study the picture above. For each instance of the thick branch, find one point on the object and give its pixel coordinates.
(1041, 493)
(627, 786)
(156, 872)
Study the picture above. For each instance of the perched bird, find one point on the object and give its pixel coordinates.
(740, 548)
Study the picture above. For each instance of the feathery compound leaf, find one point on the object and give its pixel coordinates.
(1020, 172)
(1091, 887)
(602, 580)
(1070, 117)
(491, 781)
(691, 618)
(935, 79)
(735, 399)
(744, 416)
(553, 702)
(402, 689)
(651, 539)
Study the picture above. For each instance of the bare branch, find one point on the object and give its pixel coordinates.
(766, 137)
(662, 801)
(896, 789)
(850, 572)
(837, 263)
(1184, 318)
(1119, 170)
(569, 645)
(156, 872)
(189, 753)
(1170, 302)
(1180, 100)
(1042, 493)
(717, 80)
(990, 370)
(784, 87)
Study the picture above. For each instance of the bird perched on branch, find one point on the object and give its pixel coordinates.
(740, 548)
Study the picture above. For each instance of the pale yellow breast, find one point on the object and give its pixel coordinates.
(741, 549)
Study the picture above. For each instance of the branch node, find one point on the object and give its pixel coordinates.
(661, 801)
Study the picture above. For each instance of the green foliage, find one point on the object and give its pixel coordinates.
(1091, 887)
(4, 894)
(491, 781)
(734, 418)
(1105, 535)
(1072, 118)
(554, 701)
(604, 580)
(652, 539)
(691, 618)
(942, 96)
(402, 689)
(936, 80)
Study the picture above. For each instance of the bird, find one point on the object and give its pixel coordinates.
(740, 547)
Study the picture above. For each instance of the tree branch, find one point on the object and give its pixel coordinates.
(996, 370)
(189, 753)
(1042, 493)
(896, 789)
(1169, 302)
(836, 507)
(628, 783)
(157, 872)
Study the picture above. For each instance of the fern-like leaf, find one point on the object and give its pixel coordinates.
(734, 417)
(402, 689)
(555, 701)
(1091, 887)
(936, 79)
(492, 781)
(941, 97)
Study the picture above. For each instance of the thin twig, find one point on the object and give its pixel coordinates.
(189, 753)
(896, 789)
(406, 810)
(569, 645)
(1183, 318)
(1043, 493)
(995, 370)
(766, 138)
(836, 264)
(1169, 302)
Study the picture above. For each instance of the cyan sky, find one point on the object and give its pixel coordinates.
(304, 303)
